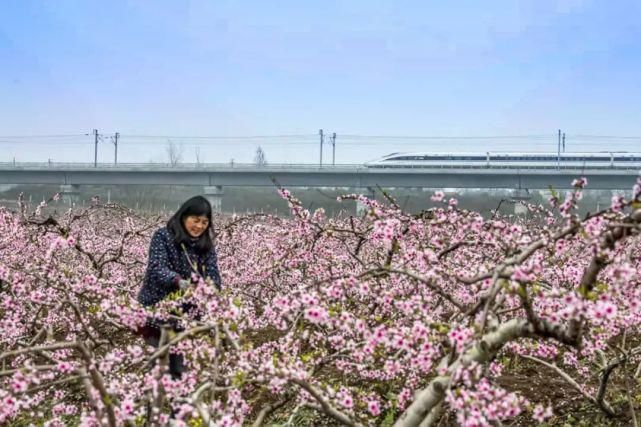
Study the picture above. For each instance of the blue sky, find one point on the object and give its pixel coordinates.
(238, 68)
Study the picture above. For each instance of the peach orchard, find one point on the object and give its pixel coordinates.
(386, 319)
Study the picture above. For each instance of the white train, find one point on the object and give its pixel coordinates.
(594, 160)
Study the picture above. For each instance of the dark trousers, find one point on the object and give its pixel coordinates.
(151, 333)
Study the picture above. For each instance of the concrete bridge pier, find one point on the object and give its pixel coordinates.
(518, 196)
(70, 193)
(214, 194)
(362, 208)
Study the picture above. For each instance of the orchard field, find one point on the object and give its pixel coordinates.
(436, 318)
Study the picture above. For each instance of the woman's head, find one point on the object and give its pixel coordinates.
(192, 222)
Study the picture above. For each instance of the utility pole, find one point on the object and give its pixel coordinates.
(115, 141)
(558, 152)
(334, 149)
(564, 142)
(320, 132)
(95, 153)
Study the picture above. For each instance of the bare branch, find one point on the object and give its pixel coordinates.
(325, 405)
(601, 403)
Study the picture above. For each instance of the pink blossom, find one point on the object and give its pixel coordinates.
(540, 414)
(617, 203)
(459, 337)
(580, 183)
(368, 300)
(437, 196)
(316, 314)
(65, 367)
(374, 407)
(344, 398)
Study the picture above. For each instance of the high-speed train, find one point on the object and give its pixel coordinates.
(594, 160)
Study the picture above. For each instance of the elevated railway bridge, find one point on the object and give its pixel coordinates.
(215, 178)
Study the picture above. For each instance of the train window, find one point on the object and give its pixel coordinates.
(549, 158)
(513, 158)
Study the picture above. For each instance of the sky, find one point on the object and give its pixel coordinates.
(386, 76)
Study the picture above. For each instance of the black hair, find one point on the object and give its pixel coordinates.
(198, 206)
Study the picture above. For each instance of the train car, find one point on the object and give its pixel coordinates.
(423, 159)
(512, 160)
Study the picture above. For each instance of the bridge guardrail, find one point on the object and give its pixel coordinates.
(286, 166)
(181, 166)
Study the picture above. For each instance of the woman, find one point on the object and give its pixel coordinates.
(183, 248)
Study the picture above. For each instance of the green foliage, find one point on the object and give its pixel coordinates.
(239, 378)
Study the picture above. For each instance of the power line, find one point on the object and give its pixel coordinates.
(314, 136)
(355, 143)
(42, 136)
(635, 138)
(218, 136)
(402, 142)
(63, 142)
(158, 143)
(355, 136)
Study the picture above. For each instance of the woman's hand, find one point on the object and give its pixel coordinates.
(184, 284)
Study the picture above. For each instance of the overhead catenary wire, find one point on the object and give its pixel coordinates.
(44, 136)
(315, 136)
(606, 137)
(442, 137)
(124, 135)
(499, 142)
